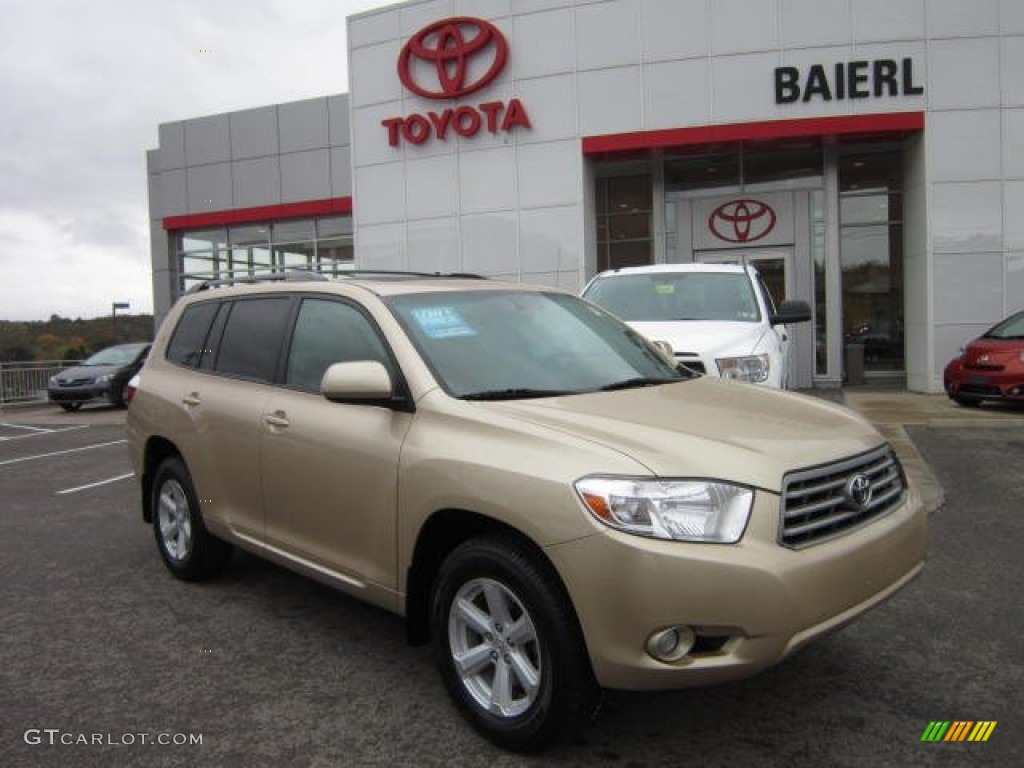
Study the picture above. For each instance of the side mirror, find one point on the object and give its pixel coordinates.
(792, 312)
(363, 381)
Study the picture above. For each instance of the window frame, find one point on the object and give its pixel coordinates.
(390, 362)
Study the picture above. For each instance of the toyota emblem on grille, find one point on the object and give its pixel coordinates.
(448, 48)
(858, 491)
(742, 221)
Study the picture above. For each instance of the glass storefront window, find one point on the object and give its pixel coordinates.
(296, 231)
(703, 172)
(298, 255)
(818, 263)
(205, 240)
(625, 207)
(782, 167)
(871, 256)
(333, 226)
(323, 244)
(250, 235)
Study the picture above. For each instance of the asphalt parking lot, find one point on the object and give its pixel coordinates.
(267, 668)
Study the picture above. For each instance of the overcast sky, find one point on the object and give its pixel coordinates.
(83, 86)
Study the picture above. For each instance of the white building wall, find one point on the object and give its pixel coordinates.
(513, 204)
(273, 155)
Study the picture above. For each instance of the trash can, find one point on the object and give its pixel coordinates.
(854, 354)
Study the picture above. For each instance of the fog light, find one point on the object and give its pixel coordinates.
(671, 644)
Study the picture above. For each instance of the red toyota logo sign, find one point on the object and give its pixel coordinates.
(449, 47)
(448, 60)
(742, 221)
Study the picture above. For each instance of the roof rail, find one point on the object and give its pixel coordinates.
(399, 273)
(294, 274)
(288, 275)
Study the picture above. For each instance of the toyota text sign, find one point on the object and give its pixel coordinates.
(448, 60)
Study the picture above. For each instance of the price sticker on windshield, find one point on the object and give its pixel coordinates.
(442, 322)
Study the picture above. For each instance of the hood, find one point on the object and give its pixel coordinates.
(996, 351)
(705, 337)
(88, 372)
(707, 428)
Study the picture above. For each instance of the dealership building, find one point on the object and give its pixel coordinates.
(866, 155)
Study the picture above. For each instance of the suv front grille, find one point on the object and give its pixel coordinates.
(825, 501)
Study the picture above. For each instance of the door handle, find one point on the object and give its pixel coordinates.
(277, 419)
(192, 398)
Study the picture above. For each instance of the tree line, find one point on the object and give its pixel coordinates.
(61, 338)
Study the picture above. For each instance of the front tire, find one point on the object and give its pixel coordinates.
(508, 644)
(71, 406)
(188, 550)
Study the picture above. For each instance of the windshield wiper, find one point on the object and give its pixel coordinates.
(520, 393)
(638, 381)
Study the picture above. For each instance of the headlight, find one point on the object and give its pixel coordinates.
(753, 368)
(684, 510)
(104, 379)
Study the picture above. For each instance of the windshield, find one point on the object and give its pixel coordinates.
(114, 356)
(664, 296)
(1011, 328)
(509, 344)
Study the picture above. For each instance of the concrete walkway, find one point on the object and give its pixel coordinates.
(892, 410)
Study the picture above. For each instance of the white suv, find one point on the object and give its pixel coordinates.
(720, 319)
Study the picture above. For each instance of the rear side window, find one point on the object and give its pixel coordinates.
(252, 338)
(186, 347)
(328, 332)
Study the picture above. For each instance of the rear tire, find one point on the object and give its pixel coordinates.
(70, 406)
(188, 550)
(967, 402)
(508, 644)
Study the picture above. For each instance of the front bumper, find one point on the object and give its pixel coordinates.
(751, 604)
(1003, 385)
(79, 394)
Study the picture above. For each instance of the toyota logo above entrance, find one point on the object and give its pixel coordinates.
(452, 58)
(742, 221)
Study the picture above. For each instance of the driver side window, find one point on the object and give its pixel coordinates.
(328, 332)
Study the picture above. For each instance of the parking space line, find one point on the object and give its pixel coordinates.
(25, 426)
(96, 484)
(60, 453)
(41, 432)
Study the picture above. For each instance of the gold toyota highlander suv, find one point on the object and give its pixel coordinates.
(539, 490)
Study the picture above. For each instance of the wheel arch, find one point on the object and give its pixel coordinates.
(157, 450)
(445, 530)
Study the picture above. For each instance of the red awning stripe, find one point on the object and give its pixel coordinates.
(891, 122)
(303, 209)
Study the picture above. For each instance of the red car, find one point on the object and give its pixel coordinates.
(991, 367)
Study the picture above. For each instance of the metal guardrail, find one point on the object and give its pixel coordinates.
(26, 381)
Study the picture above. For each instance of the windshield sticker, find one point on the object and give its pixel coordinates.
(665, 289)
(442, 322)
